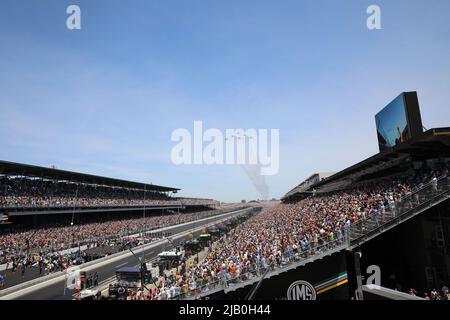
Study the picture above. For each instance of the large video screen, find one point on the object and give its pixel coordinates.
(392, 124)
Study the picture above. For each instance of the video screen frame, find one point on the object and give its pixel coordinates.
(398, 122)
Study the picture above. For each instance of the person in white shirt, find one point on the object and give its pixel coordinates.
(434, 184)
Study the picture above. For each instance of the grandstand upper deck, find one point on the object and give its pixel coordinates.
(25, 170)
(431, 144)
(307, 183)
(29, 189)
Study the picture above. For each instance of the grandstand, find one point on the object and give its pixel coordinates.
(389, 212)
(307, 183)
(314, 235)
(26, 189)
(51, 219)
(324, 226)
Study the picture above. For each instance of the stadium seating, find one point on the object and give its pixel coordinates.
(292, 231)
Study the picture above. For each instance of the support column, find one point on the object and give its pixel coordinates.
(354, 273)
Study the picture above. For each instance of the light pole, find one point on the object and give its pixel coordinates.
(141, 265)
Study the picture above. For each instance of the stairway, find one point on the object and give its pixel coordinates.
(406, 208)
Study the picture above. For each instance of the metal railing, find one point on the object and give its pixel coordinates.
(7, 202)
(399, 211)
(225, 281)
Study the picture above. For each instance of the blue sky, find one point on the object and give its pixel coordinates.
(105, 99)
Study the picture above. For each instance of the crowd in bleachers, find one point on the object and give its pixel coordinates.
(43, 247)
(27, 192)
(290, 231)
(279, 235)
(23, 192)
(434, 294)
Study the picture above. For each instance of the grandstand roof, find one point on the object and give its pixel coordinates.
(19, 169)
(431, 143)
(305, 184)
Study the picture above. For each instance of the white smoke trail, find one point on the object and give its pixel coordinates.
(253, 171)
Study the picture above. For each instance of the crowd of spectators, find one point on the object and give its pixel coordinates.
(54, 247)
(434, 294)
(290, 231)
(280, 234)
(22, 192)
(25, 192)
